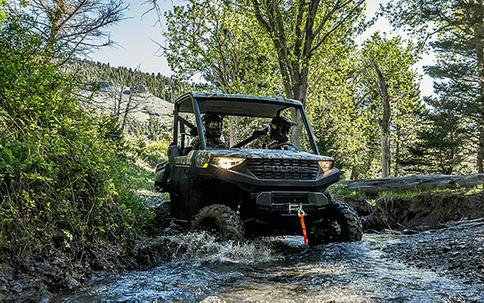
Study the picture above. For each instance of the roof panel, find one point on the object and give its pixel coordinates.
(235, 104)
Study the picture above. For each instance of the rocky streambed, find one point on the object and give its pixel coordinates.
(444, 265)
(424, 249)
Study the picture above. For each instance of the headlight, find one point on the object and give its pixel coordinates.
(226, 162)
(326, 165)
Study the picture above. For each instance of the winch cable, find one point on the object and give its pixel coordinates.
(301, 215)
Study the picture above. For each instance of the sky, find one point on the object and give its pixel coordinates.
(137, 36)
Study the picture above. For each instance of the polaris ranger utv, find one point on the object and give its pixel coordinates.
(251, 188)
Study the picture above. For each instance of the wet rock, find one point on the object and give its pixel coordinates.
(150, 253)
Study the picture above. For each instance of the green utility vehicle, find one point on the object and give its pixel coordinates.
(247, 165)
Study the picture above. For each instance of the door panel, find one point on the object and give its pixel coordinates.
(181, 188)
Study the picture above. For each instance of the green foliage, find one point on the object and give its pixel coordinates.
(3, 14)
(345, 107)
(56, 163)
(130, 178)
(396, 61)
(454, 30)
(440, 146)
(155, 151)
(152, 152)
(342, 127)
(222, 43)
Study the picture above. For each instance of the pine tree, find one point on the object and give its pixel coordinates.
(455, 30)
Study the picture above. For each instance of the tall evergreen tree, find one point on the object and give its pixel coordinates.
(456, 32)
(440, 145)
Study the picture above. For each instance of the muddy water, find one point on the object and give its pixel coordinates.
(281, 270)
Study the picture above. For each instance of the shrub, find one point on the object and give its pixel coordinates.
(57, 189)
(155, 152)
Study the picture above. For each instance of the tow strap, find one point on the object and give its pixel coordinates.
(301, 215)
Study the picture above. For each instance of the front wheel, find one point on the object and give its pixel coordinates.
(221, 219)
(342, 225)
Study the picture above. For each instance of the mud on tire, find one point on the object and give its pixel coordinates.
(343, 225)
(221, 218)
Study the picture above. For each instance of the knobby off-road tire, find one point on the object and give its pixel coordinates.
(343, 225)
(349, 221)
(221, 218)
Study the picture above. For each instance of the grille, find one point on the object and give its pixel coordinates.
(289, 169)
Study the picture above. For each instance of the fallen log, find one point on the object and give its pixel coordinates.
(414, 183)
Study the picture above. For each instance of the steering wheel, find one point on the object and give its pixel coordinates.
(280, 145)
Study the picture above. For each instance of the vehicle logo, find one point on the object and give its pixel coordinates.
(285, 169)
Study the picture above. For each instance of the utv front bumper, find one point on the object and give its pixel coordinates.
(278, 210)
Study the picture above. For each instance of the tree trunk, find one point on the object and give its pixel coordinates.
(414, 183)
(126, 112)
(397, 153)
(480, 64)
(385, 150)
(384, 121)
(479, 37)
(355, 173)
(300, 90)
(480, 156)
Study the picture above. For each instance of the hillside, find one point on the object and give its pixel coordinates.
(141, 103)
(136, 108)
(166, 88)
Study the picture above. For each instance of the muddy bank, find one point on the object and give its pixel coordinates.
(37, 279)
(417, 213)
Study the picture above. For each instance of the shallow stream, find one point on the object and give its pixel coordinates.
(280, 270)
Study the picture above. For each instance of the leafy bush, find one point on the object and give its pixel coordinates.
(57, 189)
(152, 152)
(155, 152)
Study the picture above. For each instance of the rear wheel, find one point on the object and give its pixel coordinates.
(221, 219)
(343, 225)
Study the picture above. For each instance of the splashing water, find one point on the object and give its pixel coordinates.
(202, 248)
(280, 270)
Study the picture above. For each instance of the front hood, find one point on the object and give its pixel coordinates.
(260, 154)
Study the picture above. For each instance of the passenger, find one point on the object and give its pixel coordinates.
(213, 124)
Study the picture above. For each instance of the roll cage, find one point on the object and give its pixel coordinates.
(230, 104)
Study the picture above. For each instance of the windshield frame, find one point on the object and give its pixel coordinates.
(284, 104)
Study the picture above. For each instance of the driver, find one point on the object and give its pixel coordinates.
(212, 123)
(279, 131)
